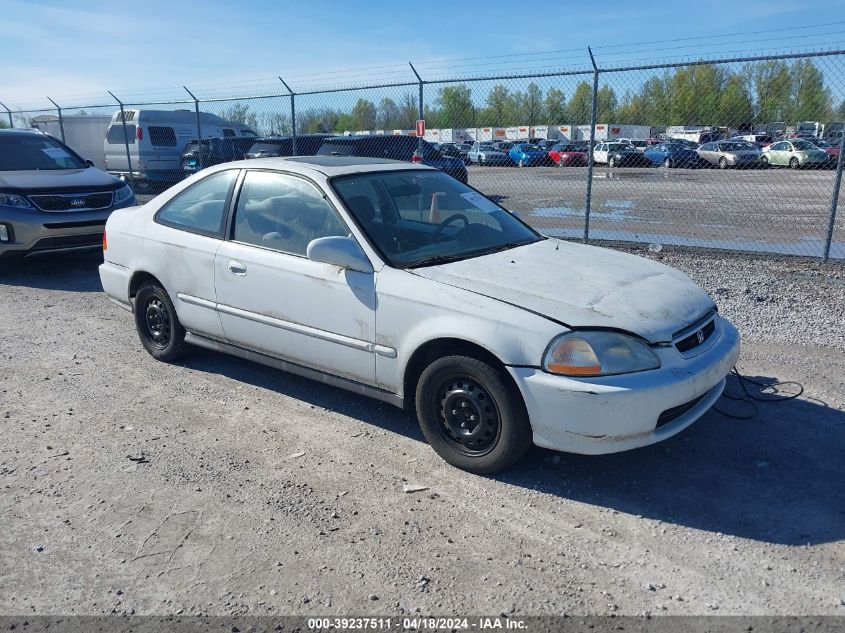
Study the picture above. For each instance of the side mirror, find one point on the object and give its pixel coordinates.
(339, 251)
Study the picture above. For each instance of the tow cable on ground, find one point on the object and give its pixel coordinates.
(773, 395)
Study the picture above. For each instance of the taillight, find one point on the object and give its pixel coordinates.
(139, 133)
(416, 158)
(105, 242)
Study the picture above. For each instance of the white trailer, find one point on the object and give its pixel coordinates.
(565, 132)
(456, 135)
(500, 133)
(543, 131)
(517, 132)
(432, 135)
(84, 134)
(484, 134)
(628, 131)
(404, 132)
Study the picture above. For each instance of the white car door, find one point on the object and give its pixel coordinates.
(273, 299)
(600, 153)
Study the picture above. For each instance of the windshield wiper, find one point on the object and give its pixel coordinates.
(437, 259)
(445, 259)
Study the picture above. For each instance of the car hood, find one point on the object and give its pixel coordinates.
(583, 286)
(57, 180)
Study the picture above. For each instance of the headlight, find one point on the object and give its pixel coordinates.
(596, 353)
(14, 200)
(123, 194)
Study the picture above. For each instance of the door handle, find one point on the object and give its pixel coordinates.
(236, 268)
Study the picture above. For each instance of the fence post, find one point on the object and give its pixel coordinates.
(589, 195)
(61, 120)
(292, 114)
(9, 112)
(125, 139)
(834, 200)
(421, 109)
(199, 128)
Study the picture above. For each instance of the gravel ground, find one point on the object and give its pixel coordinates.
(218, 486)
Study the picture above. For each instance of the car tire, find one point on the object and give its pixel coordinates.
(667, 163)
(794, 163)
(611, 162)
(521, 163)
(764, 162)
(496, 437)
(723, 163)
(159, 328)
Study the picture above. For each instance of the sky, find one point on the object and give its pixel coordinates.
(76, 51)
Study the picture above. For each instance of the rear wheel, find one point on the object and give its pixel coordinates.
(471, 417)
(611, 162)
(159, 329)
(794, 163)
(723, 163)
(764, 162)
(667, 163)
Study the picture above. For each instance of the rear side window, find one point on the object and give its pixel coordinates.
(115, 134)
(202, 207)
(227, 132)
(162, 136)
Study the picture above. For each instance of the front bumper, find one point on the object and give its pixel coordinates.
(617, 413)
(40, 232)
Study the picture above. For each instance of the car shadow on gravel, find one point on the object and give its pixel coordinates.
(323, 396)
(74, 272)
(775, 478)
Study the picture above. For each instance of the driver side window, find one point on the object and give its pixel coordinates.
(283, 213)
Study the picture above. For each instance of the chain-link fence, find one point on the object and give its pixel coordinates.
(741, 153)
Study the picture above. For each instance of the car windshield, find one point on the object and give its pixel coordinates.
(639, 143)
(530, 148)
(486, 148)
(803, 145)
(735, 147)
(24, 152)
(425, 217)
(615, 147)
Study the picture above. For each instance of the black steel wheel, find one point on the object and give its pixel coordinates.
(159, 329)
(472, 415)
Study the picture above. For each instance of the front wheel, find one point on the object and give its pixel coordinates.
(764, 162)
(471, 417)
(611, 162)
(667, 163)
(159, 329)
(794, 163)
(723, 163)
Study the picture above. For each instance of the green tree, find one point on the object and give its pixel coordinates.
(606, 104)
(773, 85)
(555, 106)
(499, 104)
(735, 106)
(681, 91)
(580, 105)
(532, 111)
(812, 99)
(408, 111)
(389, 114)
(364, 115)
(455, 107)
(240, 112)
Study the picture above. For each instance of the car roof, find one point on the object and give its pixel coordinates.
(330, 165)
(21, 132)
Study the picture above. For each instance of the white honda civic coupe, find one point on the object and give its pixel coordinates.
(396, 281)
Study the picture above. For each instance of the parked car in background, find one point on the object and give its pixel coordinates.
(455, 150)
(795, 153)
(672, 154)
(528, 155)
(213, 151)
(274, 146)
(637, 143)
(397, 282)
(52, 199)
(567, 155)
(761, 140)
(831, 149)
(615, 154)
(404, 148)
(724, 154)
(156, 140)
(487, 154)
